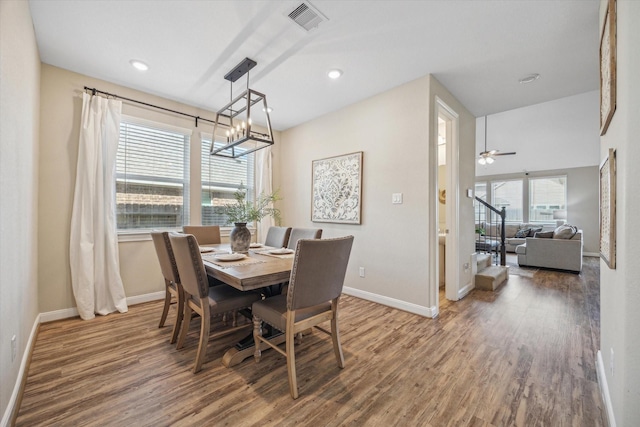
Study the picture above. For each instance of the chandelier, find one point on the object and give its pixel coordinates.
(242, 136)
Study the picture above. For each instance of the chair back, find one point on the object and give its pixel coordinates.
(165, 256)
(318, 271)
(205, 234)
(193, 276)
(303, 233)
(278, 237)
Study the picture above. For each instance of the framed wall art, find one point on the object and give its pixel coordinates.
(608, 67)
(337, 189)
(608, 209)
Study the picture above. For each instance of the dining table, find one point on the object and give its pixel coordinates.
(262, 267)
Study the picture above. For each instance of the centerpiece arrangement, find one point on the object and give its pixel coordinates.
(243, 211)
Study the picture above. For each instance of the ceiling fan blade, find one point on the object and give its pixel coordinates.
(504, 154)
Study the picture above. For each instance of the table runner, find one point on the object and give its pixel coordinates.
(211, 257)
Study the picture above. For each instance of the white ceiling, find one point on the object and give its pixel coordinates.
(477, 48)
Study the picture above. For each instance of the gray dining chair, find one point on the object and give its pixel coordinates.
(316, 282)
(173, 289)
(298, 233)
(277, 237)
(205, 234)
(207, 301)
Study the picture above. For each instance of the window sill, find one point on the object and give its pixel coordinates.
(144, 235)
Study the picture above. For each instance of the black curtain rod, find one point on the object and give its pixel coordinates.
(196, 118)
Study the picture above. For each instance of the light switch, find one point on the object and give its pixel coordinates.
(470, 193)
(396, 198)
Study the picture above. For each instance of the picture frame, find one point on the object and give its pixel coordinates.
(608, 209)
(336, 194)
(608, 67)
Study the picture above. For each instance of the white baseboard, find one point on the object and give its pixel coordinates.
(6, 418)
(465, 290)
(592, 254)
(139, 299)
(604, 390)
(67, 313)
(392, 302)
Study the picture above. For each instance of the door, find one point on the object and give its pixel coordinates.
(448, 136)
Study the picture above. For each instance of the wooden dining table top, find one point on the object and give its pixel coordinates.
(272, 270)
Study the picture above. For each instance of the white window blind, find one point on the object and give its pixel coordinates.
(221, 178)
(548, 199)
(508, 194)
(152, 176)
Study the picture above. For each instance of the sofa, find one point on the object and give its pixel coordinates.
(515, 234)
(555, 252)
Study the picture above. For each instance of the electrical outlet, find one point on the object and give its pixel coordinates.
(396, 198)
(361, 271)
(466, 266)
(13, 348)
(611, 362)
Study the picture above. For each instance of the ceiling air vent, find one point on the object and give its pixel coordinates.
(307, 16)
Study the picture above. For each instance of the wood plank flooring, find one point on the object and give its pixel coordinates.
(523, 355)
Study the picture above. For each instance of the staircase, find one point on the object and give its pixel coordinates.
(489, 276)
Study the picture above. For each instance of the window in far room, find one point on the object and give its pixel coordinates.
(221, 178)
(152, 176)
(508, 194)
(481, 193)
(548, 199)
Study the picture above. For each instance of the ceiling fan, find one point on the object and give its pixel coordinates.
(486, 156)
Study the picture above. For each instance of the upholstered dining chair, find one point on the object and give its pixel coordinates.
(316, 282)
(277, 237)
(173, 289)
(298, 233)
(200, 297)
(205, 234)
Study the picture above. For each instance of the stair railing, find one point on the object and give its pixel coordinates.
(502, 213)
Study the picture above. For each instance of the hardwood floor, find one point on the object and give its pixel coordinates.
(523, 355)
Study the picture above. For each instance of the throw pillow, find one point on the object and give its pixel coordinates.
(523, 233)
(534, 230)
(565, 232)
(544, 235)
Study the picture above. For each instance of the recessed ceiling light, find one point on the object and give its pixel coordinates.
(139, 65)
(530, 78)
(334, 74)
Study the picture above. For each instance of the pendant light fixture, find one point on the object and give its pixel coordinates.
(241, 136)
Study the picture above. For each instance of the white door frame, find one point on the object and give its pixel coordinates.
(452, 265)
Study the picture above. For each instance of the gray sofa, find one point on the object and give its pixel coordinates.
(492, 232)
(561, 254)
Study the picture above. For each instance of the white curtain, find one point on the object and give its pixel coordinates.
(264, 185)
(93, 249)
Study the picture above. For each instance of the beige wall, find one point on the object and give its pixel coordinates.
(19, 98)
(620, 288)
(392, 130)
(61, 105)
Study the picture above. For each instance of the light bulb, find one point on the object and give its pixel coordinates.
(489, 160)
(482, 161)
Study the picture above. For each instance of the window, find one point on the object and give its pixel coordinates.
(480, 209)
(547, 199)
(152, 176)
(221, 178)
(508, 194)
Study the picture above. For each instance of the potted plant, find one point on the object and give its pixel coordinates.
(242, 211)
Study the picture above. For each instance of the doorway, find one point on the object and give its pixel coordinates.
(446, 246)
